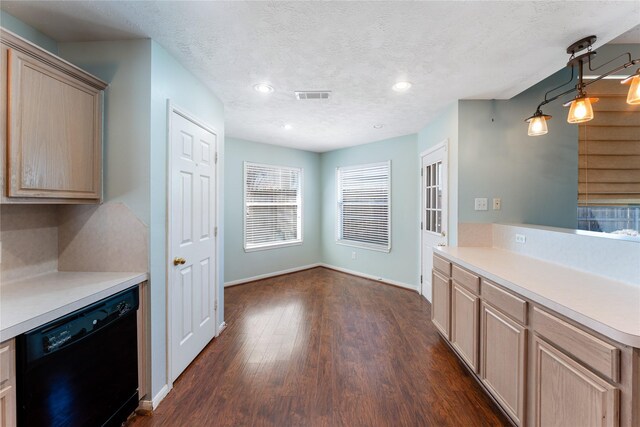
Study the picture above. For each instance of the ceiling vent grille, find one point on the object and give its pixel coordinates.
(312, 94)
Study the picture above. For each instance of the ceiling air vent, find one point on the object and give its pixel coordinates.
(312, 94)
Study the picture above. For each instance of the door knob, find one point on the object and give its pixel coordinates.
(179, 261)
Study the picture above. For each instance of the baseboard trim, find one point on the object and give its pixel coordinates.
(221, 328)
(160, 396)
(268, 275)
(372, 277)
(145, 406)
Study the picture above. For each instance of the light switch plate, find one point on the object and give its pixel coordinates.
(481, 204)
(497, 203)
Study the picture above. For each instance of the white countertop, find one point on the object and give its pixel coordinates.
(607, 306)
(28, 303)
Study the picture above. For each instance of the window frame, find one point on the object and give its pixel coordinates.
(338, 199)
(274, 244)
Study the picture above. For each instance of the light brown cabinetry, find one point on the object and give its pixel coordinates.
(542, 368)
(502, 359)
(142, 316)
(51, 127)
(568, 394)
(7, 384)
(464, 324)
(599, 355)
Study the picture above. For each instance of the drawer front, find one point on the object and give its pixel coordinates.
(505, 301)
(599, 355)
(442, 265)
(466, 279)
(568, 394)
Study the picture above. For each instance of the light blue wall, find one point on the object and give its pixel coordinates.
(18, 27)
(443, 127)
(141, 77)
(240, 264)
(170, 80)
(401, 264)
(126, 66)
(536, 177)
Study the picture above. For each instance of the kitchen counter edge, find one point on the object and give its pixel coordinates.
(43, 318)
(626, 338)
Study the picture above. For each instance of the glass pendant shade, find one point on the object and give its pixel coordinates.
(537, 126)
(581, 110)
(633, 97)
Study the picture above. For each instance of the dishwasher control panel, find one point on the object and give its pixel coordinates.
(74, 326)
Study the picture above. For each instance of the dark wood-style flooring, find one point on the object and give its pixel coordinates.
(323, 348)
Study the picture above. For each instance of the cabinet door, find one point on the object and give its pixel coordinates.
(441, 305)
(54, 132)
(7, 384)
(502, 360)
(464, 324)
(568, 394)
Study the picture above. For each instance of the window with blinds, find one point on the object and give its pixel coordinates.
(364, 206)
(272, 206)
(609, 149)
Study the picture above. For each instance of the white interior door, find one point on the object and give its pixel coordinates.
(434, 209)
(192, 257)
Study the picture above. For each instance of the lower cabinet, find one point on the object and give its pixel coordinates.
(543, 369)
(7, 384)
(568, 394)
(441, 306)
(464, 324)
(502, 360)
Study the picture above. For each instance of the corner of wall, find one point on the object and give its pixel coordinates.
(27, 32)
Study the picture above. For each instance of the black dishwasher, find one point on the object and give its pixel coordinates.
(81, 369)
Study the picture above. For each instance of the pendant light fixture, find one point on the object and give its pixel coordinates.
(580, 108)
(538, 123)
(633, 97)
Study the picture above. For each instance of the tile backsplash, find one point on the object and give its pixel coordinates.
(615, 258)
(108, 237)
(38, 239)
(29, 235)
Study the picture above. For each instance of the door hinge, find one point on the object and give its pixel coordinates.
(215, 231)
(421, 172)
(215, 305)
(216, 159)
(421, 279)
(420, 225)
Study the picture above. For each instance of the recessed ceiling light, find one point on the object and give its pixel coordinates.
(401, 86)
(263, 88)
(378, 126)
(287, 126)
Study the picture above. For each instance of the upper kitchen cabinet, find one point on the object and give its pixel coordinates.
(51, 127)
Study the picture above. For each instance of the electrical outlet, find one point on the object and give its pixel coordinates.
(497, 203)
(481, 204)
(353, 255)
(521, 238)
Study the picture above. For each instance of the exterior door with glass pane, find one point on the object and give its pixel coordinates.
(434, 209)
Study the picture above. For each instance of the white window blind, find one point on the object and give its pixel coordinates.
(272, 206)
(364, 206)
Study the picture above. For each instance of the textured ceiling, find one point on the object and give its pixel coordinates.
(358, 50)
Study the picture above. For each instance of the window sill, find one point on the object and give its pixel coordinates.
(273, 246)
(359, 245)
